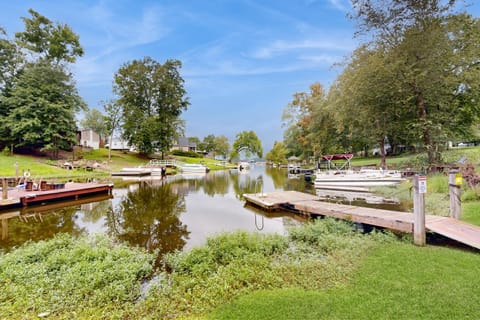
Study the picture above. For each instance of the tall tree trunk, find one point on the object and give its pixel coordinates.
(422, 114)
(110, 147)
(383, 160)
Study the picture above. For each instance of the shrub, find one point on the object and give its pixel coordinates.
(471, 194)
(6, 151)
(190, 154)
(66, 276)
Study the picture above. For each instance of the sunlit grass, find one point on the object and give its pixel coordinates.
(397, 281)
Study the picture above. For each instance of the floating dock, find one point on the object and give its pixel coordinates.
(310, 205)
(71, 190)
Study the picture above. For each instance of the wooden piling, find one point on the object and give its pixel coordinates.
(4, 189)
(454, 185)
(419, 187)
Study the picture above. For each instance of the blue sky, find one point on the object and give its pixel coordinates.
(242, 60)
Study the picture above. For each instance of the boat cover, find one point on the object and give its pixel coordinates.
(330, 157)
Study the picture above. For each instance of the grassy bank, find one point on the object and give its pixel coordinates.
(66, 279)
(321, 270)
(397, 281)
(42, 167)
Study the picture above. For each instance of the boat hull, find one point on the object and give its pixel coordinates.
(366, 179)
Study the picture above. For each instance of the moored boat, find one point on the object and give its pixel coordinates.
(193, 168)
(344, 177)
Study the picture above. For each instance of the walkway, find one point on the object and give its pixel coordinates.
(311, 205)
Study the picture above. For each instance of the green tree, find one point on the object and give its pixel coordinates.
(152, 97)
(247, 142)
(278, 154)
(208, 143)
(112, 121)
(297, 118)
(11, 61)
(53, 42)
(43, 104)
(222, 146)
(434, 57)
(35, 110)
(95, 120)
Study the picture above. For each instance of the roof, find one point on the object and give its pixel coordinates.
(183, 141)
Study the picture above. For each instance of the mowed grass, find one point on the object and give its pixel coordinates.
(44, 167)
(396, 281)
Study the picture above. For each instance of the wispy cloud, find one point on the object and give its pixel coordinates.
(118, 35)
(341, 5)
(283, 47)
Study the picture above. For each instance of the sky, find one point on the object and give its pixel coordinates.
(242, 60)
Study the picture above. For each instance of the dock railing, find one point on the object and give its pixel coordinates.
(164, 163)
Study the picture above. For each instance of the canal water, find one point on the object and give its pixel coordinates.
(165, 215)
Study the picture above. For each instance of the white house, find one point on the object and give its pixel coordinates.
(118, 144)
(89, 138)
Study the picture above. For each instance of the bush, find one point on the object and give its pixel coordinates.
(471, 194)
(190, 154)
(316, 255)
(6, 151)
(67, 276)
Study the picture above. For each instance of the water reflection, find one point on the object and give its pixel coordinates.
(149, 216)
(176, 214)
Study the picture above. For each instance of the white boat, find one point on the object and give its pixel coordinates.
(193, 168)
(345, 178)
(243, 165)
(361, 178)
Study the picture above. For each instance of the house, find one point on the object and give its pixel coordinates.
(88, 138)
(118, 144)
(183, 144)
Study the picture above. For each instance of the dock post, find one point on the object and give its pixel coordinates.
(420, 188)
(454, 184)
(4, 189)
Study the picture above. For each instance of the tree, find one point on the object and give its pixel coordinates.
(247, 142)
(297, 117)
(38, 98)
(208, 143)
(11, 61)
(43, 103)
(435, 57)
(222, 146)
(278, 154)
(52, 42)
(364, 95)
(94, 120)
(112, 121)
(152, 97)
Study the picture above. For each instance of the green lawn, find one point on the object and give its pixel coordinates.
(396, 281)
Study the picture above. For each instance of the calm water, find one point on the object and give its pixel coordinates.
(179, 213)
(176, 214)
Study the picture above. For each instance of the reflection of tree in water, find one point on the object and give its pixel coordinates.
(246, 184)
(92, 212)
(39, 226)
(279, 177)
(217, 183)
(149, 217)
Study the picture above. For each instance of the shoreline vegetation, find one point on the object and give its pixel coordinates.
(325, 269)
(322, 270)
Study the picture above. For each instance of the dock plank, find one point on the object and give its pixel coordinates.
(71, 189)
(308, 204)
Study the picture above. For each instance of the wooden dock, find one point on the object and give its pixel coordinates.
(311, 205)
(71, 190)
